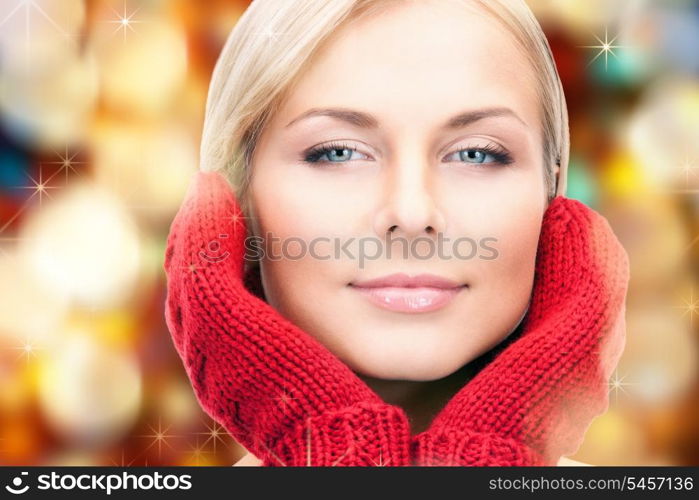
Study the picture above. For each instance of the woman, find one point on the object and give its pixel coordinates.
(481, 313)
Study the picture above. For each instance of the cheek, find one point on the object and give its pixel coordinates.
(296, 219)
(511, 217)
(303, 211)
(511, 274)
(293, 200)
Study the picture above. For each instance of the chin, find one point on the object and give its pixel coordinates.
(418, 368)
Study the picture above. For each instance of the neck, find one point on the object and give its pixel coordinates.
(421, 400)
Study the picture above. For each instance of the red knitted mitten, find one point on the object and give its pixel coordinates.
(533, 403)
(275, 388)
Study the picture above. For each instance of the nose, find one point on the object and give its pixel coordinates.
(409, 203)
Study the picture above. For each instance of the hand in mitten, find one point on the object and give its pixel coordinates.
(275, 388)
(533, 403)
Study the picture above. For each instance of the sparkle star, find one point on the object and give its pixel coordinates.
(381, 463)
(39, 187)
(124, 21)
(214, 433)
(690, 307)
(159, 436)
(605, 47)
(66, 163)
(283, 399)
(238, 221)
(617, 385)
(123, 462)
(687, 167)
(197, 451)
(27, 350)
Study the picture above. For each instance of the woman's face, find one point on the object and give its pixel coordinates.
(431, 121)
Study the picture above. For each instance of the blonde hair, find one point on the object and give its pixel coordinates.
(274, 41)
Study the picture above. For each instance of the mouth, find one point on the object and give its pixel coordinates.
(406, 294)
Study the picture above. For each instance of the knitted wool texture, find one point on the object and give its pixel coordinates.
(290, 401)
(533, 403)
(275, 389)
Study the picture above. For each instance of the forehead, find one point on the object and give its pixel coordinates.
(416, 63)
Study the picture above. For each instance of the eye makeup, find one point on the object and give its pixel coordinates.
(338, 152)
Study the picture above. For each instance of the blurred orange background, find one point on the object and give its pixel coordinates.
(101, 109)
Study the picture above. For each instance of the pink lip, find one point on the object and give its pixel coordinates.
(402, 293)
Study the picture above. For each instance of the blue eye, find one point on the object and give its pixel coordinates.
(484, 155)
(333, 153)
(474, 156)
(342, 153)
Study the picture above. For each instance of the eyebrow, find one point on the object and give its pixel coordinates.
(366, 120)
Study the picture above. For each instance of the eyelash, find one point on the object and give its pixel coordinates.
(313, 155)
(500, 155)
